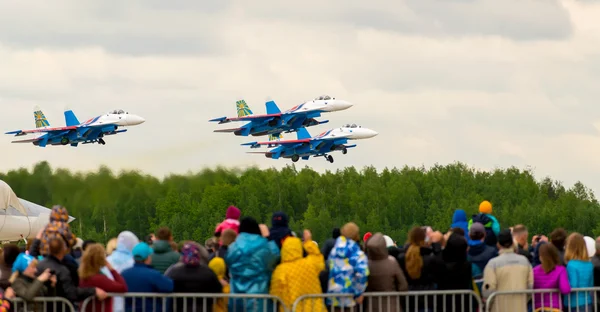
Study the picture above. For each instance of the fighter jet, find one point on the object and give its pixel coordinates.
(276, 122)
(320, 145)
(91, 131)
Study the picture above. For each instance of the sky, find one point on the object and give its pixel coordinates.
(489, 83)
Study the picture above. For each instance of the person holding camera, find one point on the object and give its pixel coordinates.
(25, 283)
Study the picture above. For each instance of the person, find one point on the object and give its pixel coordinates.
(422, 264)
(194, 277)
(457, 275)
(558, 238)
(507, 272)
(521, 236)
(164, 256)
(385, 275)
(251, 260)
(297, 275)
(8, 256)
(24, 281)
(280, 229)
(550, 274)
(348, 269)
(459, 220)
(325, 251)
(231, 221)
(217, 265)
(90, 275)
(142, 278)
(580, 271)
(479, 253)
(111, 246)
(122, 259)
(65, 287)
(58, 227)
(490, 223)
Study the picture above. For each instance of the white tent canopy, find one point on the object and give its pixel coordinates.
(20, 218)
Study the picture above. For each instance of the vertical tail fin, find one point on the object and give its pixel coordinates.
(242, 108)
(302, 134)
(70, 118)
(272, 108)
(40, 119)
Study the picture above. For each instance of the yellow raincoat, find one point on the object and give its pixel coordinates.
(297, 276)
(217, 265)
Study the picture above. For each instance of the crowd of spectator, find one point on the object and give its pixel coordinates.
(245, 257)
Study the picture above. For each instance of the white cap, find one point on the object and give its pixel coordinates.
(590, 245)
(389, 242)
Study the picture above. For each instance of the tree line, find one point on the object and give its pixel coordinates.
(392, 201)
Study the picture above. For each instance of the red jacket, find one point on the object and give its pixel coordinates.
(103, 282)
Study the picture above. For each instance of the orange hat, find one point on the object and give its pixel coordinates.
(485, 207)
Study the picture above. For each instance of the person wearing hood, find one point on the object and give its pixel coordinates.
(297, 276)
(457, 275)
(348, 269)
(479, 253)
(325, 251)
(385, 275)
(251, 260)
(164, 256)
(279, 230)
(490, 223)
(194, 276)
(122, 259)
(459, 220)
(232, 217)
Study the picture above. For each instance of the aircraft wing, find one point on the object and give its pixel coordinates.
(222, 120)
(282, 142)
(56, 129)
(27, 140)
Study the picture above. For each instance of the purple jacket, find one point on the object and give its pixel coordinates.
(556, 279)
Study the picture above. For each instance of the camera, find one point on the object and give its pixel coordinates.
(52, 272)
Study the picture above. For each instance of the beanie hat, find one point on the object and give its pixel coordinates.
(367, 236)
(233, 213)
(485, 207)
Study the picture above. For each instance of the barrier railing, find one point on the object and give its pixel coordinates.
(55, 304)
(155, 302)
(544, 300)
(433, 301)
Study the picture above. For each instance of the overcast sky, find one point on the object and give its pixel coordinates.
(486, 82)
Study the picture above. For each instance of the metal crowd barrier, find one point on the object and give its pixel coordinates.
(156, 302)
(430, 301)
(540, 300)
(42, 304)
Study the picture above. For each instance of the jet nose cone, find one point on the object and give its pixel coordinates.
(370, 133)
(344, 104)
(133, 120)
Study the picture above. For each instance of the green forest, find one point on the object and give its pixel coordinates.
(391, 201)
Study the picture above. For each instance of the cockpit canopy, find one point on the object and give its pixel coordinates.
(323, 97)
(117, 112)
(351, 126)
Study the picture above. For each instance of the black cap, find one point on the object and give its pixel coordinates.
(505, 238)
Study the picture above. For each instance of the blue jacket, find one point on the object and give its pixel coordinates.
(581, 275)
(459, 220)
(142, 278)
(251, 260)
(348, 272)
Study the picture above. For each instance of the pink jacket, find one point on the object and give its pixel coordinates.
(555, 279)
(226, 225)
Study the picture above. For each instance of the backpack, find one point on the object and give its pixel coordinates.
(490, 236)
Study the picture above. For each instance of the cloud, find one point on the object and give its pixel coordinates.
(437, 88)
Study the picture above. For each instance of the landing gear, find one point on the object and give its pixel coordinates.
(329, 158)
(295, 158)
(344, 151)
(64, 141)
(101, 141)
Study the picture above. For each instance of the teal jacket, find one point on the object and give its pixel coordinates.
(163, 256)
(581, 275)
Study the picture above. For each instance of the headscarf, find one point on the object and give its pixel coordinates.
(250, 226)
(122, 258)
(191, 254)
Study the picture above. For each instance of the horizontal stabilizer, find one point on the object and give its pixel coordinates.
(249, 144)
(16, 132)
(220, 120)
(228, 130)
(256, 152)
(26, 141)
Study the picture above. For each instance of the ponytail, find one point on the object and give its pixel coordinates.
(414, 261)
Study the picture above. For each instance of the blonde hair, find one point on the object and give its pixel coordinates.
(16, 274)
(413, 258)
(111, 246)
(576, 249)
(93, 259)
